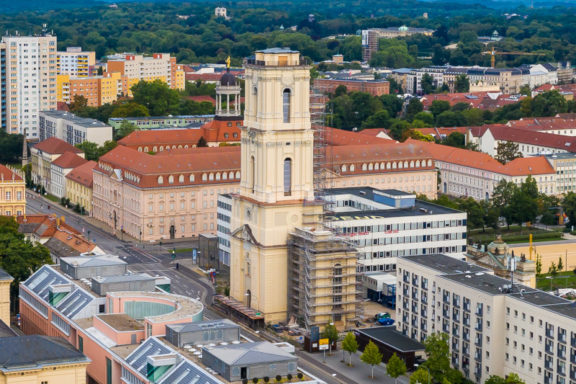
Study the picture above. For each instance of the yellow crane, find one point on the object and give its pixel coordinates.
(493, 54)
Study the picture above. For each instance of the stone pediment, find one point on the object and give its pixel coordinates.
(245, 233)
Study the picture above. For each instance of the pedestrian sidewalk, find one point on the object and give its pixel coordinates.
(359, 372)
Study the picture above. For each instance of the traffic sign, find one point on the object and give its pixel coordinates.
(323, 344)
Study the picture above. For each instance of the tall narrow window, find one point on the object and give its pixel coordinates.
(252, 173)
(287, 177)
(286, 105)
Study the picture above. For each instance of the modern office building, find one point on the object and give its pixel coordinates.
(31, 71)
(386, 224)
(163, 122)
(75, 62)
(495, 327)
(73, 129)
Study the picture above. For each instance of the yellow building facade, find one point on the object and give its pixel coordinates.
(5, 281)
(12, 192)
(276, 185)
(79, 184)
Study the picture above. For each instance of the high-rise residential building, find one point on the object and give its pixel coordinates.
(133, 68)
(495, 326)
(75, 62)
(30, 80)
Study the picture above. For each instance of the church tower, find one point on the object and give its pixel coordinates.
(276, 186)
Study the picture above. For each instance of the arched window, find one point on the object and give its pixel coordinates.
(231, 175)
(400, 164)
(252, 173)
(255, 93)
(394, 165)
(155, 149)
(377, 166)
(139, 149)
(160, 180)
(181, 178)
(161, 148)
(286, 105)
(171, 179)
(224, 176)
(344, 168)
(382, 165)
(406, 164)
(237, 174)
(186, 146)
(145, 149)
(388, 165)
(180, 146)
(191, 178)
(429, 163)
(204, 177)
(370, 166)
(218, 176)
(352, 168)
(287, 177)
(364, 167)
(417, 163)
(211, 177)
(412, 164)
(337, 270)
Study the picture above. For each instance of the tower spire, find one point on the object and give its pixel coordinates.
(24, 149)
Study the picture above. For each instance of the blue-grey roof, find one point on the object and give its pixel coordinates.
(203, 325)
(75, 301)
(277, 50)
(250, 353)
(183, 372)
(186, 373)
(33, 352)
(151, 347)
(72, 118)
(4, 275)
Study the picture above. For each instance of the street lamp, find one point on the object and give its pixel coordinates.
(427, 369)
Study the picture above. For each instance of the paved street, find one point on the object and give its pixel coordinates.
(156, 260)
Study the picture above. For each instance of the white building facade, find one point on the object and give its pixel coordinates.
(494, 327)
(386, 224)
(30, 81)
(73, 129)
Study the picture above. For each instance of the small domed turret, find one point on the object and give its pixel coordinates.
(228, 79)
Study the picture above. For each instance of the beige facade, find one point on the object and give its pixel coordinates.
(494, 327)
(5, 281)
(276, 180)
(42, 156)
(12, 192)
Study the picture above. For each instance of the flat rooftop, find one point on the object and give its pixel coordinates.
(484, 282)
(121, 322)
(391, 337)
(81, 121)
(445, 264)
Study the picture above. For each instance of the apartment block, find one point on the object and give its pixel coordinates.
(495, 327)
(73, 129)
(371, 37)
(373, 87)
(134, 68)
(387, 224)
(75, 62)
(31, 71)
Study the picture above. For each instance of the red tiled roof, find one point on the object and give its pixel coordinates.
(338, 137)
(218, 131)
(83, 174)
(7, 174)
(69, 160)
(441, 131)
(374, 132)
(531, 137)
(203, 98)
(56, 146)
(481, 100)
(483, 161)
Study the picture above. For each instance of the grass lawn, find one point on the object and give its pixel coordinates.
(182, 250)
(52, 198)
(561, 280)
(515, 234)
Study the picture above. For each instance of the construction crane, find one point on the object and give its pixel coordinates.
(493, 54)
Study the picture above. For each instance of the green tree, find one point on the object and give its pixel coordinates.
(560, 264)
(78, 104)
(462, 84)
(331, 333)
(439, 106)
(340, 90)
(380, 119)
(475, 213)
(538, 264)
(569, 207)
(350, 345)
(395, 367)
(507, 151)
(157, 97)
(202, 142)
(552, 269)
(420, 376)
(93, 151)
(129, 109)
(126, 128)
(437, 354)
(414, 106)
(391, 103)
(455, 139)
(427, 84)
(18, 256)
(512, 378)
(371, 356)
